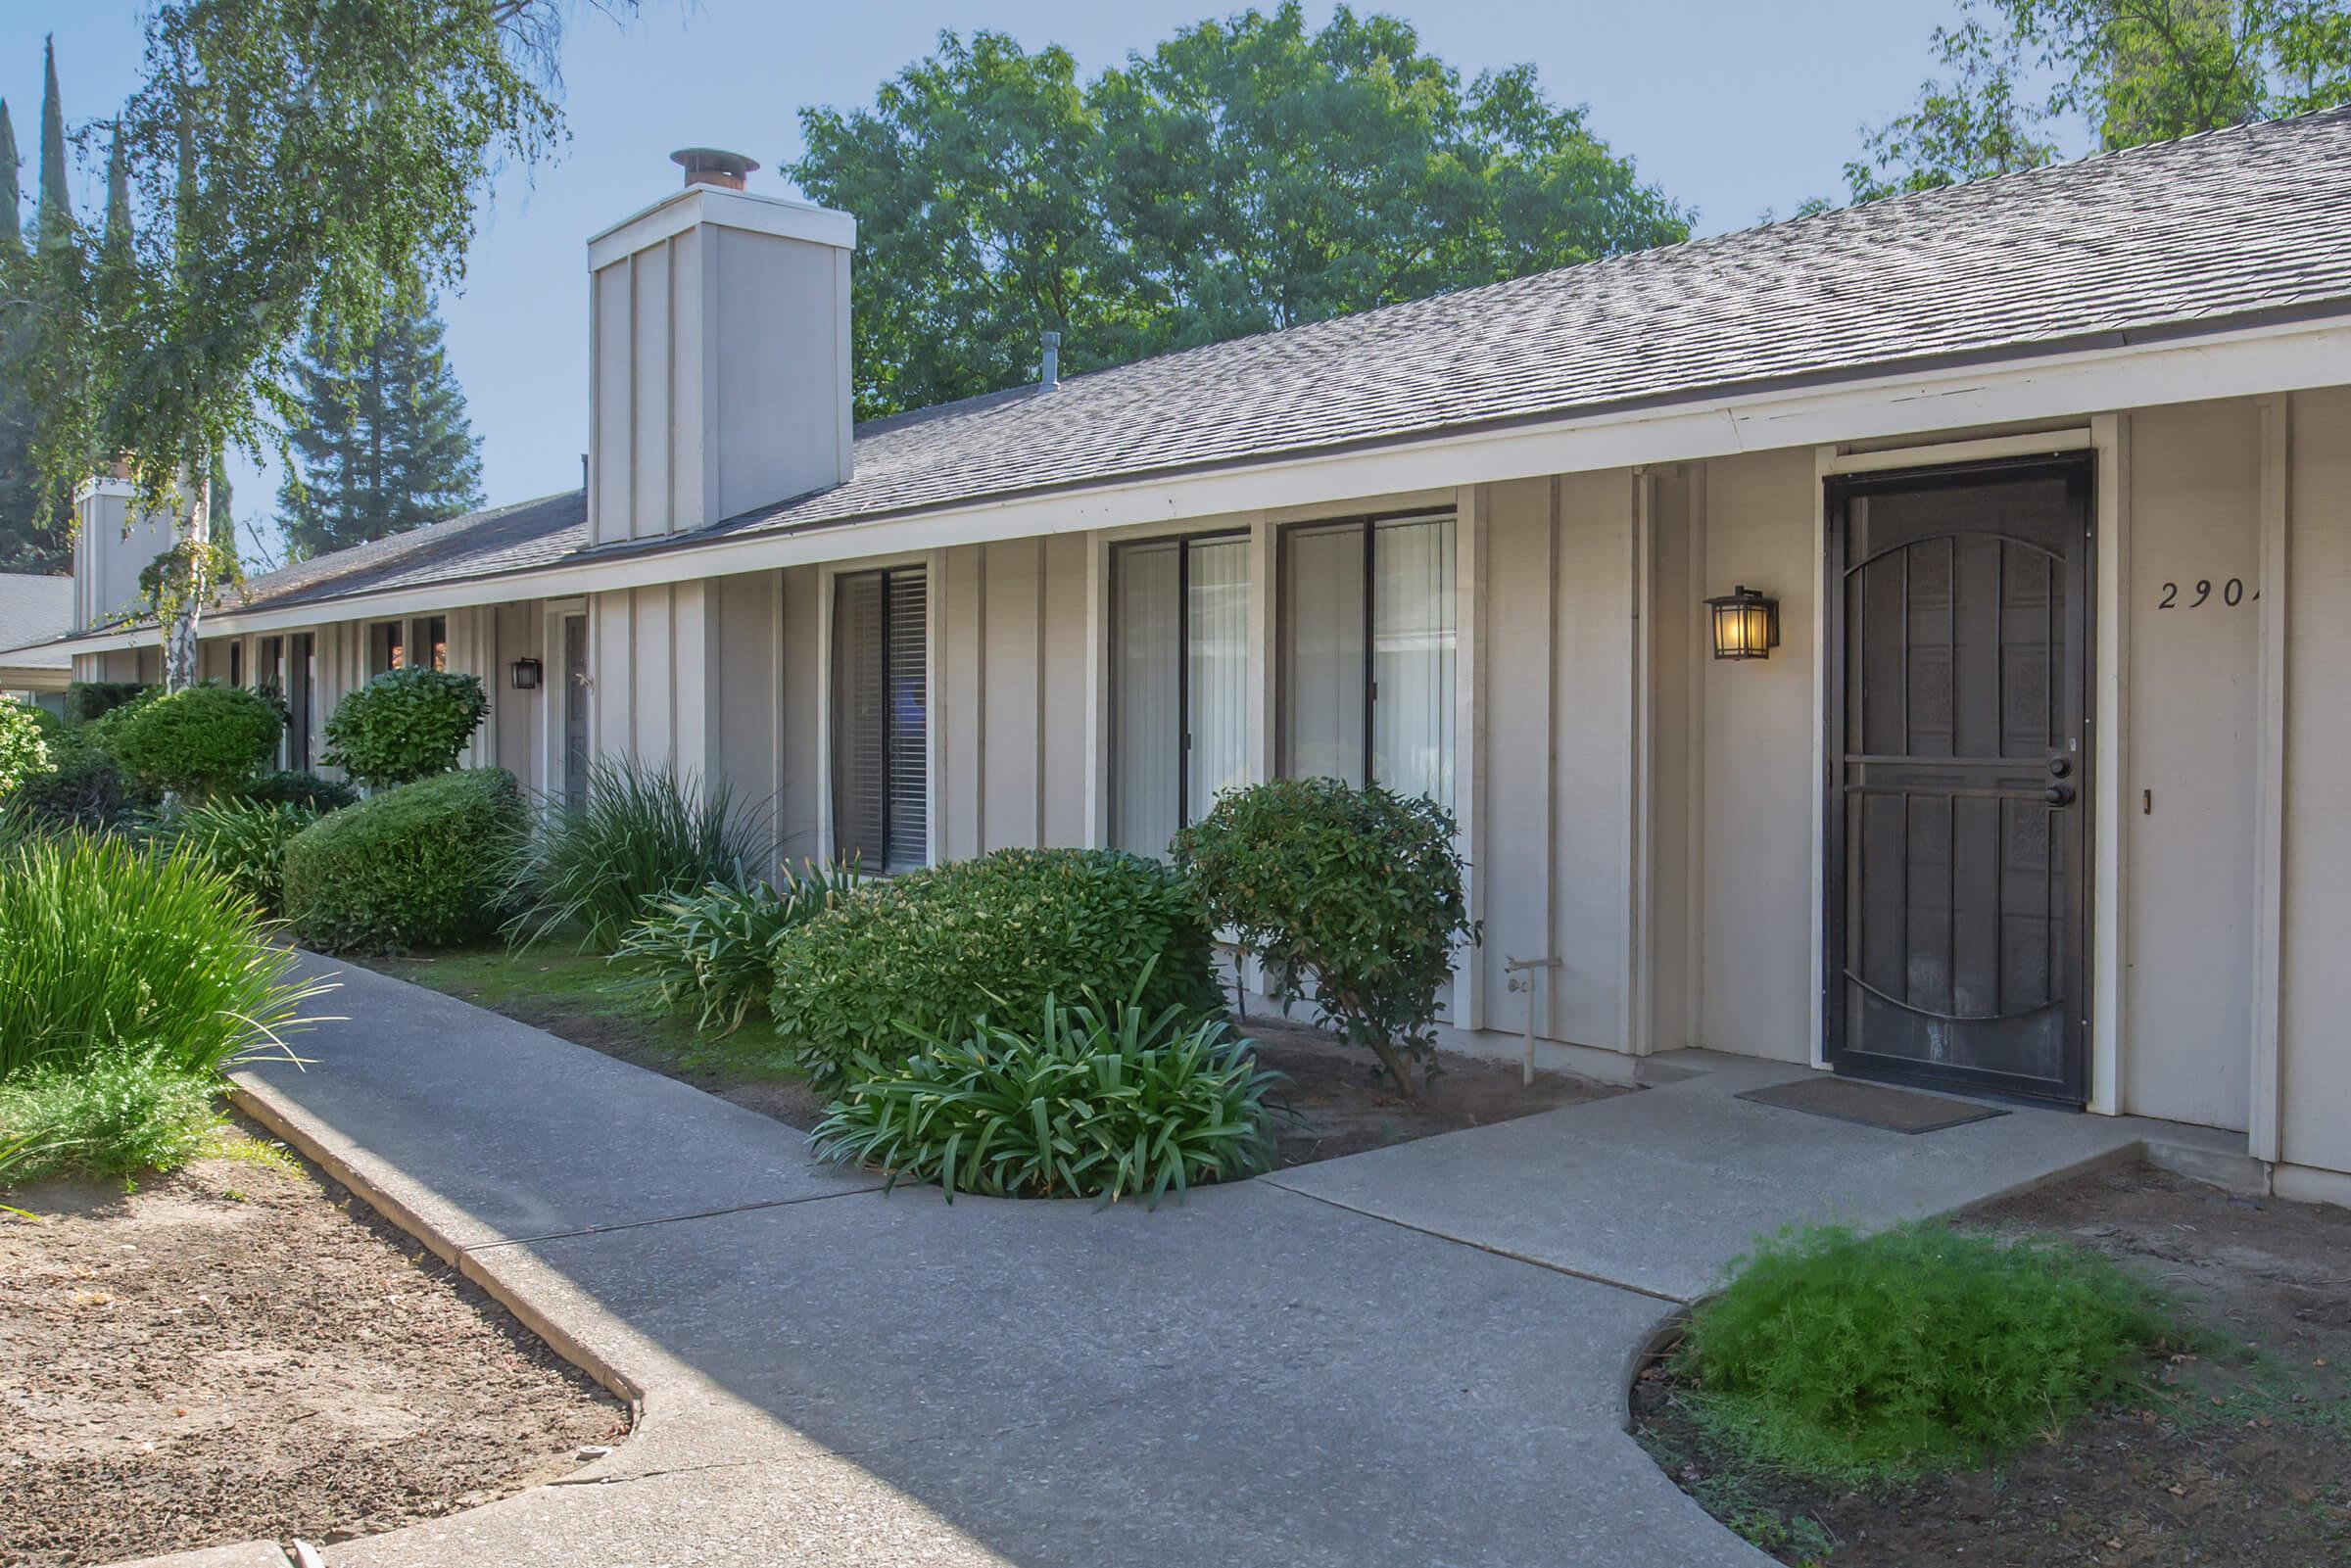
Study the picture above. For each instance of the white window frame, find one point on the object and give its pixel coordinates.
(1240, 531)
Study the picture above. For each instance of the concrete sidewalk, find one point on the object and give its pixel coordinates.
(1414, 1356)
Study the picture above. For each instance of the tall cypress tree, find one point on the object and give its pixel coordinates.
(28, 542)
(387, 447)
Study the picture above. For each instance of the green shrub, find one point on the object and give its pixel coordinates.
(108, 947)
(24, 746)
(86, 701)
(419, 866)
(194, 741)
(86, 789)
(642, 834)
(1848, 1358)
(933, 950)
(293, 789)
(246, 840)
(714, 949)
(405, 725)
(113, 1116)
(1098, 1101)
(1357, 891)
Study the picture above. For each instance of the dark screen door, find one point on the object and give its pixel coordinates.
(1958, 660)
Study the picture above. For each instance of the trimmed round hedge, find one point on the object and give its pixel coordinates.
(196, 741)
(405, 725)
(933, 951)
(421, 866)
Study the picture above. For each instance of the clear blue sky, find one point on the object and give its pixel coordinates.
(1737, 107)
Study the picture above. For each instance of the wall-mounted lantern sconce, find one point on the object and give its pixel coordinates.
(526, 675)
(1747, 625)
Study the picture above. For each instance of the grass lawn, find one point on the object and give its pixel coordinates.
(577, 997)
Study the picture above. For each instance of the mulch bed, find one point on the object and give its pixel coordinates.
(237, 1351)
(2243, 1458)
(1334, 1104)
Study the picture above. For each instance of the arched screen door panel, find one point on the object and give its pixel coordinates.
(1957, 880)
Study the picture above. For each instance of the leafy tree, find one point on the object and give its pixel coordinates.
(2128, 72)
(1247, 174)
(385, 446)
(291, 164)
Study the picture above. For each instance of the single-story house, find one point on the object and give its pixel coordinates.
(35, 609)
(1894, 638)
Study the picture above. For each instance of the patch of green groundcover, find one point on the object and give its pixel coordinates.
(1851, 1359)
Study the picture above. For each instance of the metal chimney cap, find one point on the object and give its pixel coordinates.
(713, 165)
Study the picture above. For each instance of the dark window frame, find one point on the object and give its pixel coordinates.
(1183, 543)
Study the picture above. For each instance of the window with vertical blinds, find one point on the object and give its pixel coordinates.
(1179, 683)
(880, 719)
(1368, 637)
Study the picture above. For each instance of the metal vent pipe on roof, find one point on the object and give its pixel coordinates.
(713, 165)
(1050, 376)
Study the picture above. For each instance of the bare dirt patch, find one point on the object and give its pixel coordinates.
(1334, 1104)
(2241, 1456)
(237, 1351)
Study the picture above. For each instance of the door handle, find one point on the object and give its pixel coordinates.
(2058, 795)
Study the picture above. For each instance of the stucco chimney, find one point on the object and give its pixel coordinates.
(718, 355)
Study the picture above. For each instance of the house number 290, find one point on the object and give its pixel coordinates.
(2233, 592)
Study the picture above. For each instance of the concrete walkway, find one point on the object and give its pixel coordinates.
(1415, 1356)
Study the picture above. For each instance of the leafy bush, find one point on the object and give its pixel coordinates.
(194, 741)
(246, 840)
(714, 949)
(1106, 1103)
(110, 948)
(1848, 1358)
(419, 866)
(23, 746)
(116, 1114)
(293, 789)
(84, 788)
(405, 725)
(642, 834)
(1357, 891)
(86, 701)
(933, 950)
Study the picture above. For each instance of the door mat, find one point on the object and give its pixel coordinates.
(1872, 1105)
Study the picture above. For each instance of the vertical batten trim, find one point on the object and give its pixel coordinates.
(1694, 936)
(1633, 1021)
(1037, 776)
(1550, 1025)
(1098, 692)
(1469, 740)
(2109, 933)
(2265, 1135)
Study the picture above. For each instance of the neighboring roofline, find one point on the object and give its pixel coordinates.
(2114, 371)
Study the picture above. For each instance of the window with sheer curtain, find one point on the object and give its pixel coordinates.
(880, 719)
(1179, 683)
(1367, 658)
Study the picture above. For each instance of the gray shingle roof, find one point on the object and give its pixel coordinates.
(2174, 238)
(34, 609)
(2180, 234)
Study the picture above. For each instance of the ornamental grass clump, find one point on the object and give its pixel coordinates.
(245, 839)
(1102, 1102)
(714, 949)
(111, 949)
(1849, 1359)
(642, 835)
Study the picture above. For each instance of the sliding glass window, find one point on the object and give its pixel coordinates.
(1367, 619)
(880, 719)
(1179, 683)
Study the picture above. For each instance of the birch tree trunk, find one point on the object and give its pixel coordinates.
(195, 569)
